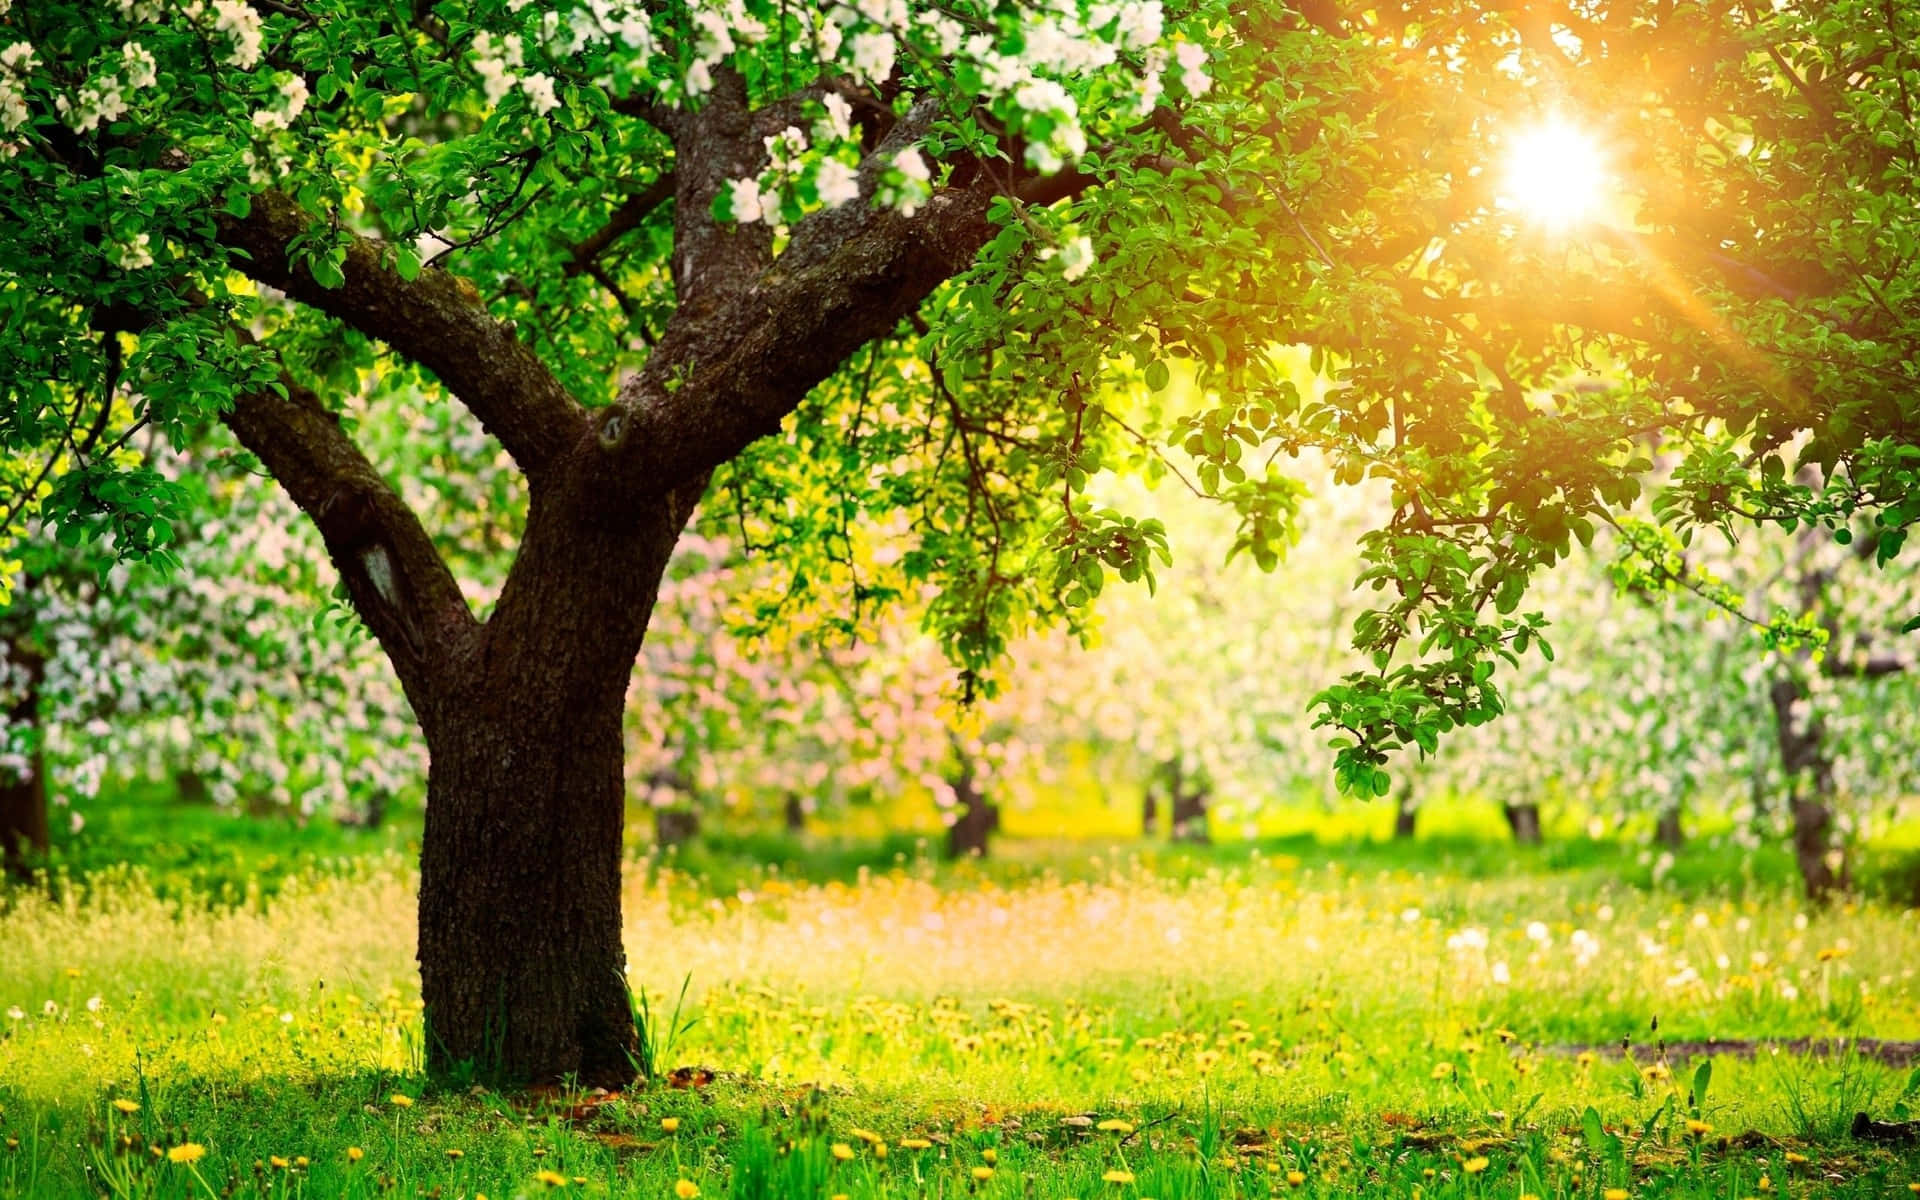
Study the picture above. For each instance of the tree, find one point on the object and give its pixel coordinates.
(634, 244)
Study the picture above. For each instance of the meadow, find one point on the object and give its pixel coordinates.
(1083, 1020)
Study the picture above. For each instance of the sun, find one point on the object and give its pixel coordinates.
(1555, 174)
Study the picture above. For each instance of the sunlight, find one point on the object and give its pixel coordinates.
(1555, 174)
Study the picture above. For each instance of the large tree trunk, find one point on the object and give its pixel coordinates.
(1524, 820)
(1188, 818)
(522, 967)
(23, 797)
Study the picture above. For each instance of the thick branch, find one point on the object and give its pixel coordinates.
(631, 214)
(398, 582)
(435, 320)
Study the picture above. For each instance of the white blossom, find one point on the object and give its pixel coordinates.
(836, 183)
(139, 68)
(239, 22)
(837, 125)
(1076, 257)
(873, 55)
(539, 90)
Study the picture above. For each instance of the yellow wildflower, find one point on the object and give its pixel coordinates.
(278, 1163)
(1697, 1127)
(1118, 1177)
(400, 1100)
(1615, 1194)
(686, 1189)
(355, 1154)
(1795, 1159)
(1296, 1178)
(456, 1154)
(1442, 1070)
(983, 1173)
(842, 1151)
(914, 1143)
(670, 1124)
(552, 1179)
(1475, 1165)
(1115, 1125)
(187, 1152)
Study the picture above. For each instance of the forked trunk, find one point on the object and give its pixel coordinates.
(521, 963)
(1524, 820)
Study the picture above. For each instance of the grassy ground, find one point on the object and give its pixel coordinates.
(1281, 1020)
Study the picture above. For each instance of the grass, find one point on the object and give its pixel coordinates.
(1281, 1019)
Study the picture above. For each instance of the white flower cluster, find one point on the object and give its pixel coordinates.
(497, 62)
(289, 102)
(241, 24)
(15, 61)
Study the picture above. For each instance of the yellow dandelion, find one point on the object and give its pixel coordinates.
(1615, 1194)
(1765, 1184)
(1586, 1058)
(879, 1149)
(1297, 1178)
(686, 1189)
(1475, 1165)
(1795, 1159)
(670, 1124)
(1914, 1188)
(1697, 1127)
(990, 1155)
(915, 1144)
(400, 1100)
(277, 1163)
(456, 1154)
(301, 1162)
(842, 1151)
(983, 1173)
(355, 1154)
(1442, 1070)
(865, 1135)
(1118, 1177)
(186, 1152)
(552, 1179)
(1115, 1125)
(126, 1106)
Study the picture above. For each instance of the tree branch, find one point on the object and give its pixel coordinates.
(399, 584)
(435, 320)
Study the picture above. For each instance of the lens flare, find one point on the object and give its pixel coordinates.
(1555, 175)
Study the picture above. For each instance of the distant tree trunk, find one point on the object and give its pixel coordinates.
(1406, 813)
(1149, 811)
(191, 786)
(978, 817)
(673, 826)
(23, 798)
(1803, 758)
(794, 813)
(1524, 820)
(1669, 832)
(1188, 818)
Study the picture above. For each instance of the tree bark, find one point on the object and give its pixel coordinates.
(23, 799)
(522, 966)
(794, 813)
(1149, 811)
(1524, 820)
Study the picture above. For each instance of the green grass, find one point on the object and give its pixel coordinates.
(1284, 1017)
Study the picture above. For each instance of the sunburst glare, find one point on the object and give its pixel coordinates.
(1555, 175)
